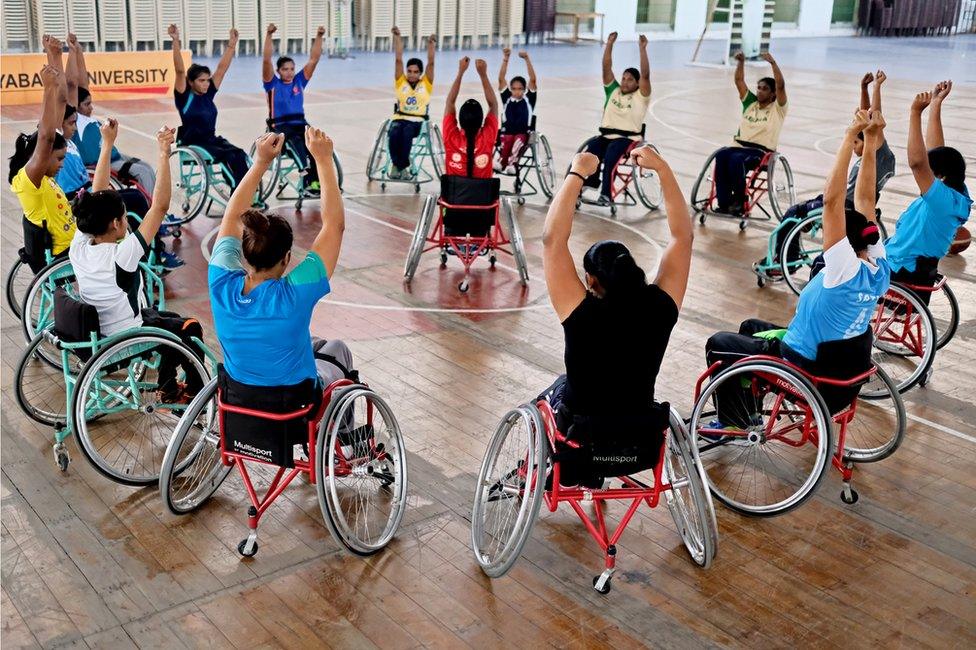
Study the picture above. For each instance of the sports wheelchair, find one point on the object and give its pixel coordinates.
(30, 260)
(105, 390)
(535, 155)
(468, 226)
(905, 335)
(765, 446)
(772, 177)
(429, 143)
(287, 173)
(353, 452)
(521, 469)
(626, 177)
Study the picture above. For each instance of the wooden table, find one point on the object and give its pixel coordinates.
(577, 17)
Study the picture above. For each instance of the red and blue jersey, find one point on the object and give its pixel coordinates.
(286, 101)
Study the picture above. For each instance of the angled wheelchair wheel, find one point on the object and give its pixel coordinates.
(39, 386)
(688, 499)
(18, 280)
(37, 310)
(437, 150)
(648, 186)
(338, 168)
(270, 178)
(191, 185)
(766, 447)
(378, 156)
(781, 188)
(510, 487)
(801, 246)
(701, 191)
(420, 233)
(518, 245)
(121, 419)
(944, 309)
(904, 338)
(879, 423)
(191, 470)
(361, 470)
(545, 167)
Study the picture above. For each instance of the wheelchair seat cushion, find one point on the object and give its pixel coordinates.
(268, 440)
(74, 321)
(461, 190)
(842, 359)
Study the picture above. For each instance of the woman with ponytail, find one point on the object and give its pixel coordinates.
(616, 324)
(469, 134)
(261, 313)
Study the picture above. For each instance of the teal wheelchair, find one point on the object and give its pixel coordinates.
(429, 144)
(286, 175)
(108, 391)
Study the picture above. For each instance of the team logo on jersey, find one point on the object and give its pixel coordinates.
(411, 101)
(456, 157)
(296, 90)
(481, 160)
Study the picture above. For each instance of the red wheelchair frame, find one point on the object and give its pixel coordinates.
(623, 179)
(940, 285)
(757, 184)
(903, 328)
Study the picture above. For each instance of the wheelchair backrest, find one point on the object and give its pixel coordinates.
(846, 357)
(37, 241)
(462, 190)
(74, 321)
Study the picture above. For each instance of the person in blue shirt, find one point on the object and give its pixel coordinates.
(839, 302)
(194, 92)
(286, 100)
(926, 229)
(261, 313)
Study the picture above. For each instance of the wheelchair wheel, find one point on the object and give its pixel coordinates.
(688, 499)
(122, 424)
(361, 470)
(766, 448)
(269, 181)
(800, 248)
(518, 245)
(39, 385)
(701, 191)
(437, 150)
(18, 280)
(338, 168)
(944, 309)
(192, 470)
(191, 185)
(419, 238)
(545, 167)
(37, 310)
(511, 483)
(378, 155)
(878, 426)
(904, 339)
(781, 188)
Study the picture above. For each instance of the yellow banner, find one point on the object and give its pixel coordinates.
(111, 75)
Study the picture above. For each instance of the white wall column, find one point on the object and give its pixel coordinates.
(689, 18)
(815, 17)
(619, 16)
(752, 26)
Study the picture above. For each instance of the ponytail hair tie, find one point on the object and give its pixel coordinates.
(869, 229)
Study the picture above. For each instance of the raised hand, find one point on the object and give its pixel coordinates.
(174, 32)
(585, 164)
(233, 36)
(109, 130)
(611, 38)
(523, 55)
(432, 39)
(54, 46)
(72, 40)
(319, 144)
(506, 52)
(464, 63)
(271, 29)
(768, 58)
(49, 75)
(481, 66)
(395, 31)
(921, 102)
(648, 158)
(739, 56)
(642, 41)
(320, 31)
(165, 138)
(876, 124)
(867, 78)
(267, 147)
(858, 123)
(880, 77)
(942, 90)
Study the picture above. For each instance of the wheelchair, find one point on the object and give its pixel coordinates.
(766, 451)
(199, 183)
(942, 306)
(772, 178)
(353, 454)
(626, 177)
(429, 143)
(105, 390)
(287, 173)
(521, 469)
(905, 336)
(535, 156)
(30, 260)
(469, 221)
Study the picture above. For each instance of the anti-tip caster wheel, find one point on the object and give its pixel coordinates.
(491, 260)
(382, 187)
(701, 218)
(61, 456)
(613, 210)
(416, 188)
(578, 204)
(760, 282)
(463, 286)
(443, 259)
(246, 552)
(521, 200)
(605, 589)
(849, 496)
(742, 224)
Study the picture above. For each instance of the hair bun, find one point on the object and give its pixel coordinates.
(256, 221)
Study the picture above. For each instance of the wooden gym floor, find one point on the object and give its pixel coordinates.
(86, 563)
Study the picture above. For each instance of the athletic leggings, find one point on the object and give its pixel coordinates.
(401, 136)
(610, 151)
(186, 329)
(731, 166)
(295, 136)
(511, 147)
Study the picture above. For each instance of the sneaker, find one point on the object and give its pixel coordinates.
(510, 170)
(395, 173)
(170, 261)
(177, 396)
(604, 201)
(313, 189)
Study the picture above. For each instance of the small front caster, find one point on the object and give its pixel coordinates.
(61, 456)
(602, 583)
(521, 200)
(849, 495)
(742, 224)
(701, 218)
(760, 281)
(463, 286)
(248, 547)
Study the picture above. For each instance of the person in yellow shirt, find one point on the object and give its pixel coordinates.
(763, 113)
(38, 157)
(413, 87)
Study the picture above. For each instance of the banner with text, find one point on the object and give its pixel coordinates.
(111, 75)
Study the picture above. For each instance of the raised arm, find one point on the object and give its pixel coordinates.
(865, 188)
(397, 53)
(608, 59)
(482, 67)
(316, 54)
(267, 68)
(503, 70)
(179, 83)
(164, 187)
(329, 240)
(224, 64)
(675, 266)
(566, 291)
(72, 73)
(267, 149)
(450, 104)
(879, 79)
(431, 49)
(103, 168)
(918, 155)
(835, 191)
(740, 75)
(55, 58)
(778, 76)
(531, 70)
(51, 119)
(865, 103)
(933, 134)
(645, 68)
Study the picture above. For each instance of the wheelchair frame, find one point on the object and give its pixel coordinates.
(429, 143)
(904, 328)
(623, 176)
(528, 160)
(940, 285)
(759, 181)
(281, 175)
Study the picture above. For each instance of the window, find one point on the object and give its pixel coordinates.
(786, 11)
(655, 11)
(843, 11)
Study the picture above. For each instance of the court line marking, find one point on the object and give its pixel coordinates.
(941, 427)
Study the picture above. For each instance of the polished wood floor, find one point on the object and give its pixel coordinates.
(86, 563)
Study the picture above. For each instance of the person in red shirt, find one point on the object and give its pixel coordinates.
(469, 135)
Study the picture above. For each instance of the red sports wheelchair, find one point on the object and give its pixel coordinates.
(352, 446)
(765, 443)
(772, 177)
(521, 470)
(628, 179)
(469, 226)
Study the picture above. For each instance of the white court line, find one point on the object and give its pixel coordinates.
(941, 427)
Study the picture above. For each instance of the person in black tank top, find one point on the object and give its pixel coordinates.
(616, 325)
